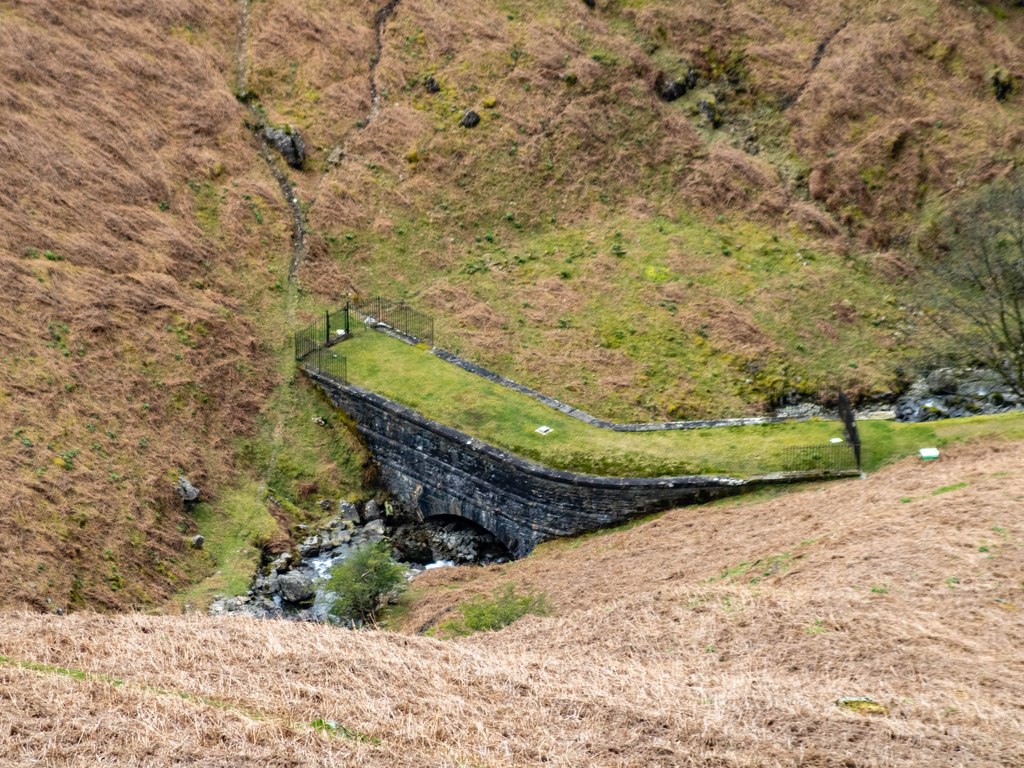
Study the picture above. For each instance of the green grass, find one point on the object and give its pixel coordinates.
(445, 393)
(488, 614)
(306, 456)
(235, 528)
(699, 318)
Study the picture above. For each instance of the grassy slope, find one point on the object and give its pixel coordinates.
(143, 248)
(140, 245)
(720, 635)
(448, 394)
(677, 273)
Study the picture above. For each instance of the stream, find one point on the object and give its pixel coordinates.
(293, 585)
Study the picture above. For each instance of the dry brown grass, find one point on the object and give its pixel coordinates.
(124, 154)
(129, 352)
(866, 119)
(652, 658)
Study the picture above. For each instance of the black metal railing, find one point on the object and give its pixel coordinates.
(398, 315)
(830, 457)
(322, 333)
(328, 363)
(310, 338)
(313, 345)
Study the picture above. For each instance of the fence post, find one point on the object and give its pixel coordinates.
(346, 319)
(850, 424)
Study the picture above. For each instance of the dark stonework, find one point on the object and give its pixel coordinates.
(435, 470)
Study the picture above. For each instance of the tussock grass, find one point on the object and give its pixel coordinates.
(141, 252)
(646, 662)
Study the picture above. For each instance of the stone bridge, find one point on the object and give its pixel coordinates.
(435, 470)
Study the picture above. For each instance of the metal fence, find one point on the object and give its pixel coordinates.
(310, 338)
(322, 333)
(312, 345)
(398, 315)
(327, 363)
(831, 457)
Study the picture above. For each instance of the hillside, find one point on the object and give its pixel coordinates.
(683, 265)
(638, 257)
(721, 635)
(144, 248)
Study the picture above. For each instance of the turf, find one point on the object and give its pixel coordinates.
(508, 419)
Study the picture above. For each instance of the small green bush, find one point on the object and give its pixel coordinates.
(482, 614)
(364, 581)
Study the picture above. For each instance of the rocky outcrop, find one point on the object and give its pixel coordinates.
(189, 493)
(952, 392)
(289, 143)
(670, 88)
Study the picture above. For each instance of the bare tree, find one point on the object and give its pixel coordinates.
(974, 279)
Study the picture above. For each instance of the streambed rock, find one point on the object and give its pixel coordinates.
(953, 392)
(296, 587)
(293, 585)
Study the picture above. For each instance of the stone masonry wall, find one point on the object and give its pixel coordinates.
(435, 470)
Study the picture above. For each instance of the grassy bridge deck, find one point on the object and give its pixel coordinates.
(447, 394)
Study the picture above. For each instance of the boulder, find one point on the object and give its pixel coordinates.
(198, 541)
(470, 120)
(371, 511)
(1002, 83)
(311, 546)
(289, 143)
(348, 511)
(942, 381)
(296, 587)
(188, 492)
(670, 88)
(432, 85)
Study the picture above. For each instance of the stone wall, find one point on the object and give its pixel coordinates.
(594, 421)
(435, 470)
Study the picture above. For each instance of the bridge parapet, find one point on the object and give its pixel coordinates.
(433, 469)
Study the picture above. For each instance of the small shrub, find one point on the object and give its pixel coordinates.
(482, 614)
(364, 581)
(817, 628)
